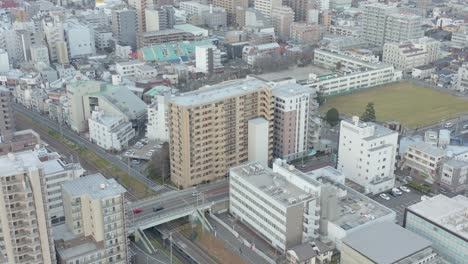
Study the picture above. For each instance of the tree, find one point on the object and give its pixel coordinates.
(159, 165)
(369, 113)
(332, 117)
(320, 98)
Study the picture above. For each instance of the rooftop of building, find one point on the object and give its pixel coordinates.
(454, 163)
(145, 68)
(298, 73)
(218, 92)
(354, 209)
(386, 243)
(105, 119)
(290, 89)
(94, 186)
(179, 51)
(344, 56)
(190, 28)
(158, 89)
(449, 213)
(380, 131)
(303, 252)
(52, 166)
(428, 149)
(272, 184)
(68, 245)
(15, 163)
(130, 63)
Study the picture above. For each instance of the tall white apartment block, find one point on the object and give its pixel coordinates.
(385, 23)
(323, 5)
(282, 204)
(193, 8)
(25, 231)
(413, 53)
(266, 6)
(40, 54)
(258, 140)
(462, 81)
(297, 125)
(207, 58)
(94, 229)
(4, 61)
(55, 39)
(157, 127)
(56, 172)
(110, 132)
(366, 154)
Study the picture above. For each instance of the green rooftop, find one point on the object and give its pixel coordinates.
(157, 90)
(172, 51)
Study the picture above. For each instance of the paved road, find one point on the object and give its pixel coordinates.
(176, 201)
(81, 141)
(399, 203)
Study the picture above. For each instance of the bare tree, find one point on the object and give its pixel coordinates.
(159, 165)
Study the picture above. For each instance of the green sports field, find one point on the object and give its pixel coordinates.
(411, 104)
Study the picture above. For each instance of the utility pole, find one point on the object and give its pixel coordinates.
(170, 240)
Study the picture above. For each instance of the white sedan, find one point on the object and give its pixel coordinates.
(405, 189)
(384, 196)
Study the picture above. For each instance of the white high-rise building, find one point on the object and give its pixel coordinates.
(366, 154)
(25, 231)
(157, 127)
(266, 6)
(55, 39)
(4, 61)
(462, 81)
(207, 59)
(80, 39)
(282, 203)
(323, 5)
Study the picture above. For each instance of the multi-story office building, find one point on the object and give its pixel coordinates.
(55, 39)
(94, 229)
(163, 36)
(424, 158)
(40, 55)
(384, 23)
(140, 6)
(7, 119)
(462, 81)
(102, 37)
(124, 27)
(159, 19)
(353, 73)
(193, 8)
(231, 6)
(444, 222)
(340, 4)
(215, 17)
(80, 39)
(423, 4)
(367, 154)
(296, 122)
(281, 204)
(25, 231)
(110, 132)
(454, 175)
(208, 128)
(460, 37)
(208, 59)
(128, 68)
(413, 53)
(301, 8)
(281, 18)
(266, 7)
(305, 33)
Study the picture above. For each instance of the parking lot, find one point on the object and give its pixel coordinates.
(142, 151)
(399, 203)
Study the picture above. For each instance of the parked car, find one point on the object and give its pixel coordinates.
(194, 193)
(384, 196)
(448, 125)
(405, 189)
(465, 126)
(135, 161)
(137, 210)
(395, 192)
(158, 208)
(442, 191)
(158, 146)
(149, 154)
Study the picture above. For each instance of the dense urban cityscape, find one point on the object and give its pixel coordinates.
(234, 131)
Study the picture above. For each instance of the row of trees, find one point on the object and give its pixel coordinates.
(333, 116)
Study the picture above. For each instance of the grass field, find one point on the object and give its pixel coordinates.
(411, 104)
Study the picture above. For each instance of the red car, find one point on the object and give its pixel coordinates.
(137, 210)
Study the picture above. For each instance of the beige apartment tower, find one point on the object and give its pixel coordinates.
(25, 231)
(209, 127)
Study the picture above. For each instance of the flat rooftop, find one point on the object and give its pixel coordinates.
(429, 149)
(291, 89)
(386, 243)
(271, 184)
(218, 92)
(379, 130)
(69, 245)
(95, 186)
(15, 163)
(449, 213)
(298, 73)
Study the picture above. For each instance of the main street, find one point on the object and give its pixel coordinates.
(81, 141)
